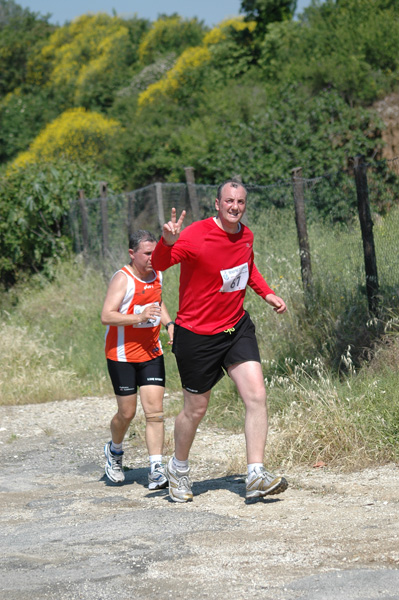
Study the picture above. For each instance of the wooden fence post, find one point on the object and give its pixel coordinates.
(161, 215)
(104, 218)
(131, 197)
(85, 222)
(300, 219)
(366, 225)
(192, 194)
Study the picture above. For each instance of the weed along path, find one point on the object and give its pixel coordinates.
(66, 534)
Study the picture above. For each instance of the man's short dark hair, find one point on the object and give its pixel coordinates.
(141, 235)
(233, 182)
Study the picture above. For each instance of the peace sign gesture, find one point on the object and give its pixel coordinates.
(171, 230)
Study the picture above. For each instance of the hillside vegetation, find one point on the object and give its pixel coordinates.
(131, 102)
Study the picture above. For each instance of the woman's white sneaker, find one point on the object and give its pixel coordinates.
(157, 480)
(113, 466)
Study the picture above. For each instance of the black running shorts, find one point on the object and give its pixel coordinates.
(202, 358)
(127, 376)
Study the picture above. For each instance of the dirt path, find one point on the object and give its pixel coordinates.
(66, 534)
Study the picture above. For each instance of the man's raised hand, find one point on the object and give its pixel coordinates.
(171, 230)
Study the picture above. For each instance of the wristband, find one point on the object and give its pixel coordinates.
(170, 323)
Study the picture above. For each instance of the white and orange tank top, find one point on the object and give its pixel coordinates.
(140, 342)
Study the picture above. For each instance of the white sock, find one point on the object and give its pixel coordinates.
(180, 465)
(116, 448)
(155, 459)
(251, 467)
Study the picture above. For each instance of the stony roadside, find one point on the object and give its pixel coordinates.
(67, 534)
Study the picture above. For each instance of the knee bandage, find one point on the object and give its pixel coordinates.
(155, 417)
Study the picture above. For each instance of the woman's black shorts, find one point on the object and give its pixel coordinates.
(127, 376)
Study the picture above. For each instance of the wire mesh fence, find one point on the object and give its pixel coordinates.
(330, 200)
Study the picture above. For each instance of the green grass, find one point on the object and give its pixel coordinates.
(52, 343)
(345, 422)
(332, 373)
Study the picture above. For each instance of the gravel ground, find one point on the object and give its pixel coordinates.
(67, 534)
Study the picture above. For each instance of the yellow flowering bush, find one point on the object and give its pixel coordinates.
(190, 63)
(102, 71)
(219, 33)
(75, 53)
(77, 135)
(186, 65)
(170, 34)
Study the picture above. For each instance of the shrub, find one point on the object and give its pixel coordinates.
(85, 60)
(169, 34)
(190, 72)
(22, 116)
(349, 46)
(34, 203)
(76, 135)
(186, 72)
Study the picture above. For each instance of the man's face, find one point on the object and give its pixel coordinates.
(232, 204)
(141, 258)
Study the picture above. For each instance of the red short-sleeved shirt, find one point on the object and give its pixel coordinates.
(216, 267)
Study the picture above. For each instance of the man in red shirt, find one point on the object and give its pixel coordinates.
(133, 312)
(214, 333)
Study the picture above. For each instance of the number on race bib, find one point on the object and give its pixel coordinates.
(235, 279)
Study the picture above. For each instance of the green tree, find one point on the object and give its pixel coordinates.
(170, 34)
(86, 61)
(249, 128)
(225, 49)
(22, 116)
(349, 45)
(111, 69)
(82, 64)
(34, 204)
(264, 12)
(234, 54)
(20, 31)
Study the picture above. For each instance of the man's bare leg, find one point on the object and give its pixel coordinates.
(187, 422)
(248, 378)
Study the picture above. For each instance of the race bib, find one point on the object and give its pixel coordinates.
(138, 309)
(235, 279)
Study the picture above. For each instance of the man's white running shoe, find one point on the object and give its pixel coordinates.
(157, 480)
(261, 483)
(113, 466)
(179, 484)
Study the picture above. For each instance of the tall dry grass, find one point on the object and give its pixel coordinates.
(31, 371)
